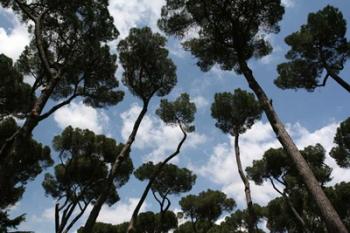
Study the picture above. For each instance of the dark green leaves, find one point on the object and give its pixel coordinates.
(341, 153)
(235, 113)
(319, 45)
(171, 180)
(16, 97)
(229, 31)
(181, 111)
(147, 68)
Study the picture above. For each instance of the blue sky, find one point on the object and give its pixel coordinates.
(309, 117)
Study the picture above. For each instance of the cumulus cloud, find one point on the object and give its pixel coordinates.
(128, 14)
(81, 116)
(200, 101)
(156, 136)
(120, 212)
(288, 3)
(14, 38)
(221, 167)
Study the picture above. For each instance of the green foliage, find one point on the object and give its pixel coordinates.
(7, 223)
(74, 36)
(171, 180)
(207, 206)
(100, 227)
(237, 222)
(181, 111)
(278, 165)
(235, 113)
(319, 44)
(229, 31)
(341, 152)
(150, 222)
(147, 68)
(23, 164)
(15, 95)
(85, 161)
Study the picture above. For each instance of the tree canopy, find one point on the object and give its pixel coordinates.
(318, 48)
(341, 152)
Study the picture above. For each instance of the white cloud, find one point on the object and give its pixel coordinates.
(154, 135)
(288, 3)
(120, 212)
(221, 167)
(13, 40)
(82, 116)
(200, 101)
(128, 14)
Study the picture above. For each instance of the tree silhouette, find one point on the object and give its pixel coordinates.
(85, 159)
(341, 152)
(235, 113)
(204, 209)
(276, 168)
(319, 47)
(229, 34)
(147, 72)
(15, 95)
(161, 176)
(68, 57)
(25, 162)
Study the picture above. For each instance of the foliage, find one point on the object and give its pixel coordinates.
(235, 113)
(179, 111)
(85, 162)
(147, 68)
(25, 162)
(171, 180)
(206, 207)
(319, 45)
(341, 152)
(15, 95)
(228, 31)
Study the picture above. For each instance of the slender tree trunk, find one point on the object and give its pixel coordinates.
(133, 220)
(252, 228)
(329, 214)
(339, 80)
(90, 222)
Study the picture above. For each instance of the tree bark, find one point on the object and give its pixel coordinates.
(133, 220)
(329, 214)
(339, 80)
(252, 228)
(90, 222)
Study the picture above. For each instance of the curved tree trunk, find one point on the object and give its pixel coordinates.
(133, 221)
(90, 222)
(252, 228)
(329, 214)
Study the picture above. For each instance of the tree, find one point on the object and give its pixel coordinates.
(276, 167)
(229, 34)
(169, 180)
(15, 95)
(205, 208)
(319, 47)
(179, 113)
(147, 72)
(82, 173)
(238, 222)
(341, 152)
(235, 113)
(68, 58)
(24, 163)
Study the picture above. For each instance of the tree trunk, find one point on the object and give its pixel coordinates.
(339, 80)
(252, 228)
(90, 222)
(133, 221)
(329, 214)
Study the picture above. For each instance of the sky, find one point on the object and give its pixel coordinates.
(310, 117)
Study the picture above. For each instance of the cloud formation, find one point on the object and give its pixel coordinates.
(221, 167)
(154, 135)
(81, 116)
